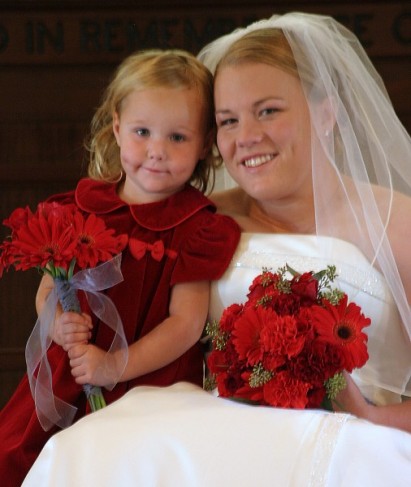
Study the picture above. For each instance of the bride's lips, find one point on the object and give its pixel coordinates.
(257, 161)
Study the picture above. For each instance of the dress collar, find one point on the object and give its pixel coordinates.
(101, 198)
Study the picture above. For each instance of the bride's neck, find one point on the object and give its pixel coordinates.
(297, 218)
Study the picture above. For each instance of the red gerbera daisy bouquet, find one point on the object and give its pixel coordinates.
(288, 344)
(60, 241)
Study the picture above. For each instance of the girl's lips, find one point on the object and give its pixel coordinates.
(258, 160)
(153, 170)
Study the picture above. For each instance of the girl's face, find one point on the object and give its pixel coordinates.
(263, 131)
(161, 136)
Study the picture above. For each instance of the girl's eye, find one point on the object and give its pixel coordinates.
(177, 138)
(143, 132)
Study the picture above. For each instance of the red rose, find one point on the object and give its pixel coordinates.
(264, 283)
(306, 287)
(217, 361)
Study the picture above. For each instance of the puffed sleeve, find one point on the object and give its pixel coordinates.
(207, 249)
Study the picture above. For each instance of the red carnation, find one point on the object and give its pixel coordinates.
(286, 304)
(280, 340)
(317, 362)
(283, 390)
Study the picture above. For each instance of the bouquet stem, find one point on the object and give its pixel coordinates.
(70, 302)
(95, 397)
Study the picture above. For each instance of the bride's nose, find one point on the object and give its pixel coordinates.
(156, 149)
(249, 133)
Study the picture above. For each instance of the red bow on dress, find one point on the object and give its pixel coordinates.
(138, 248)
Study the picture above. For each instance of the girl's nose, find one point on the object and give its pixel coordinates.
(156, 150)
(249, 133)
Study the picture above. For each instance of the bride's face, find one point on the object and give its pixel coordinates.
(264, 131)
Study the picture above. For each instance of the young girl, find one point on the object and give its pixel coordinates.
(150, 145)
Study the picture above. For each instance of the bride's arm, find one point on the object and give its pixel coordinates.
(399, 233)
(395, 415)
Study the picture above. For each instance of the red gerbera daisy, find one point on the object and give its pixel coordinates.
(95, 243)
(43, 241)
(247, 333)
(229, 316)
(342, 325)
(17, 218)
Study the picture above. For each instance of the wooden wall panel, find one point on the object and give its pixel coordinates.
(57, 57)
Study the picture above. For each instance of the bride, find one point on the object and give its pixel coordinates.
(321, 166)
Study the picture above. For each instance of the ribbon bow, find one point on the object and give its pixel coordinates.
(138, 248)
(50, 409)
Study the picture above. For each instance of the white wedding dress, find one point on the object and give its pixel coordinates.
(186, 437)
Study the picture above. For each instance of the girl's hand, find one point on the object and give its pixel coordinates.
(71, 329)
(91, 365)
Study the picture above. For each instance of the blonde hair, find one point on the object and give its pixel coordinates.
(269, 45)
(266, 46)
(143, 70)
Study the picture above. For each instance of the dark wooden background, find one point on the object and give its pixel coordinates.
(57, 56)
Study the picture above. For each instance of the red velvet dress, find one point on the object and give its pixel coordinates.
(198, 245)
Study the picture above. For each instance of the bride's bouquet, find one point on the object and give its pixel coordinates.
(288, 344)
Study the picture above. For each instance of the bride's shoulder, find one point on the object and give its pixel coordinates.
(232, 202)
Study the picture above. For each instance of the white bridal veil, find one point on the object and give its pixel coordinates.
(361, 166)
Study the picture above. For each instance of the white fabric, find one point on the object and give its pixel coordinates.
(183, 436)
(186, 437)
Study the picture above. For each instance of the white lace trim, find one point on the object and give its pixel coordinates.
(325, 444)
(367, 281)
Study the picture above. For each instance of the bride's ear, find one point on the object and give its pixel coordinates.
(327, 111)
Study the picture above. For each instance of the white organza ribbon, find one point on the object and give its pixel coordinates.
(49, 408)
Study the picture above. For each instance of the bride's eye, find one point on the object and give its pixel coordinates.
(226, 122)
(268, 111)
